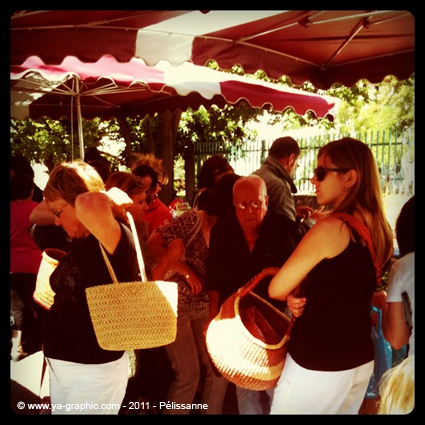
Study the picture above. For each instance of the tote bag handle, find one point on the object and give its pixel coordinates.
(138, 252)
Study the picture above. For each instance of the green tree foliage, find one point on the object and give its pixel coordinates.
(223, 126)
(48, 141)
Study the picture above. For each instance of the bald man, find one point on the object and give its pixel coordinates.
(240, 248)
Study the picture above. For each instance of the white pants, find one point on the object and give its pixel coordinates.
(77, 388)
(305, 391)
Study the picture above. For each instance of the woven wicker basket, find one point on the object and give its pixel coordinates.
(133, 315)
(43, 293)
(247, 339)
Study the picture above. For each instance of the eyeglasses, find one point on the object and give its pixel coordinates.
(255, 205)
(57, 214)
(320, 172)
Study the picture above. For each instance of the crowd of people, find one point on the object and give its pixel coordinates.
(329, 264)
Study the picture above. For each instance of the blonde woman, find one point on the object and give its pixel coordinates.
(331, 354)
(81, 372)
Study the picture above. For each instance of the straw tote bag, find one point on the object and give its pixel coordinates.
(247, 340)
(43, 294)
(133, 315)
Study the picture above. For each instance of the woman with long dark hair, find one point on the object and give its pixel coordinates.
(334, 273)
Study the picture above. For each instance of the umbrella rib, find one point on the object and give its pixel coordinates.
(118, 106)
(308, 22)
(113, 89)
(276, 52)
(325, 21)
(363, 24)
(94, 24)
(277, 29)
(373, 58)
(385, 20)
(359, 27)
(348, 17)
(41, 89)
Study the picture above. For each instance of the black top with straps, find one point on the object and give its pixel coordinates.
(334, 331)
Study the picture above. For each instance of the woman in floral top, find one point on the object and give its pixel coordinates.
(193, 229)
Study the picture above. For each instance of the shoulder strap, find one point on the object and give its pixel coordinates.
(365, 234)
(108, 264)
(138, 248)
(138, 252)
(196, 228)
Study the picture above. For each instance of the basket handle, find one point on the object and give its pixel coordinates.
(138, 249)
(269, 271)
(138, 252)
(248, 287)
(108, 264)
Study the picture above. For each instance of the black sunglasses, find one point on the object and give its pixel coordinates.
(137, 184)
(320, 172)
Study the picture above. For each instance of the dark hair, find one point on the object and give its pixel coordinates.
(405, 228)
(146, 170)
(283, 147)
(213, 166)
(93, 154)
(103, 167)
(21, 165)
(21, 186)
(220, 202)
(156, 163)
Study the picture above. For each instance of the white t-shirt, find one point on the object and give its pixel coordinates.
(402, 279)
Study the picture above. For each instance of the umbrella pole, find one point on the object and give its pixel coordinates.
(80, 128)
(80, 121)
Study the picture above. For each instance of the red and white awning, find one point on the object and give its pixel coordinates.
(320, 46)
(108, 88)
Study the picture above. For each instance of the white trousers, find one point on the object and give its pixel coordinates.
(77, 388)
(305, 391)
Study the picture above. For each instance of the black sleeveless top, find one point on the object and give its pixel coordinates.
(334, 331)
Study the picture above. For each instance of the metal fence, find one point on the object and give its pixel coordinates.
(393, 151)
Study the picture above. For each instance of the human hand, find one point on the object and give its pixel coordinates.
(379, 300)
(304, 212)
(119, 201)
(296, 305)
(194, 282)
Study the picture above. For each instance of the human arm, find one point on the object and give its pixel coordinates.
(173, 252)
(97, 212)
(168, 258)
(396, 330)
(326, 239)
